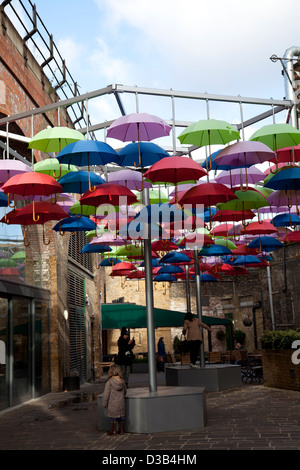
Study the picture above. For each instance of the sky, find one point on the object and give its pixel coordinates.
(219, 47)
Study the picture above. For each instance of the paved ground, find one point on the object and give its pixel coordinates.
(253, 417)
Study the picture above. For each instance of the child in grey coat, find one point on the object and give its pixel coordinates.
(114, 399)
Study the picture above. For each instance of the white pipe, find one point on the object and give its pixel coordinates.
(290, 80)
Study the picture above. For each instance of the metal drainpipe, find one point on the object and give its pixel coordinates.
(290, 80)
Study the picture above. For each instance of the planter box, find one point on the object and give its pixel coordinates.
(139, 368)
(278, 369)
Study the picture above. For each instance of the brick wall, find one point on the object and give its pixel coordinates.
(279, 371)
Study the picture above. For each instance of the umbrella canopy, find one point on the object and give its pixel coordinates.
(88, 152)
(131, 179)
(54, 139)
(138, 127)
(288, 154)
(31, 184)
(108, 239)
(88, 248)
(142, 154)
(75, 224)
(277, 136)
(256, 228)
(246, 260)
(163, 245)
(234, 216)
(284, 197)
(174, 170)
(292, 237)
(170, 269)
(110, 261)
(286, 220)
(240, 176)
(245, 153)
(79, 181)
(208, 194)
(108, 193)
(287, 178)
(209, 132)
(176, 258)
(9, 168)
(245, 200)
(215, 250)
(3, 200)
(44, 212)
(265, 243)
(52, 167)
(165, 277)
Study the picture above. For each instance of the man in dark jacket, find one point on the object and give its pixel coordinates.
(125, 353)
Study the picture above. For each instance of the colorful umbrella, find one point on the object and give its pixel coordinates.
(138, 127)
(31, 184)
(87, 153)
(75, 224)
(145, 153)
(52, 167)
(244, 153)
(240, 176)
(286, 220)
(174, 170)
(9, 168)
(88, 248)
(79, 181)
(54, 139)
(234, 216)
(131, 179)
(256, 228)
(287, 178)
(108, 193)
(265, 243)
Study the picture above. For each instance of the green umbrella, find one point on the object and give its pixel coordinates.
(19, 256)
(224, 242)
(79, 209)
(52, 167)
(8, 263)
(245, 200)
(129, 251)
(277, 136)
(54, 139)
(209, 132)
(155, 196)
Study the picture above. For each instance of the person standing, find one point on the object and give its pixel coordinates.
(125, 354)
(192, 327)
(161, 354)
(114, 399)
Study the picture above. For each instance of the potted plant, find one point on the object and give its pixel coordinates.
(239, 336)
(280, 370)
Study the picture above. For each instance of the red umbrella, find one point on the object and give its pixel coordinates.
(244, 250)
(32, 184)
(163, 245)
(288, 154)
(193, 239)
(291, 237)
(175, 170)
(208, 194)
(108, 193)
(258, 228)
(234, 216)
(221, 230)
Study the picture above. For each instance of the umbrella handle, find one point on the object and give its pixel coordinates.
(34, 218)
(24, 236)
(8, 201)
(56, 177)
(60, 232)
(276, 169)
(44, 242)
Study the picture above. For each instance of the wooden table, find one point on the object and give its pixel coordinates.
(103, 364)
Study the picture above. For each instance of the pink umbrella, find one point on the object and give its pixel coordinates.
(239, 176)
(131, 179)
(9, 168)
(138, 127)
(108, 239)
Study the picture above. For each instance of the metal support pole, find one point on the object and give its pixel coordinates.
(198, 301)
(149, 302)
(187, 288)
(271, 297)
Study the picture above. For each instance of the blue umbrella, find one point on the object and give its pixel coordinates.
(214, 250)
(175, 257)
(75, 224)
(265, 243)
(165, 277)
(3, 200)
(246, 259)
(79, 181)
(150, 153)
(285, 220)
(110, 262)
(205, 277)
(207, 215)
(88, 248)
(88, 152)
(170, 270)
(288, 178)
(155, 263)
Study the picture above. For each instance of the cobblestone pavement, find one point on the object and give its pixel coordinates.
(252, 417)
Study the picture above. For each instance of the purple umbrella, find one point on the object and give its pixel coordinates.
(284, 197)
(138, 127)
(132, 179)
(108, 239)
(244, 153)
(239, 176)
(9, 168)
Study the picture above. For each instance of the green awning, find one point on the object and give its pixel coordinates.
(134, 316)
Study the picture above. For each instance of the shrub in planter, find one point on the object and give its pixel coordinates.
(278, 368)
(220, 334)
(279, 339)
(239, 336)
